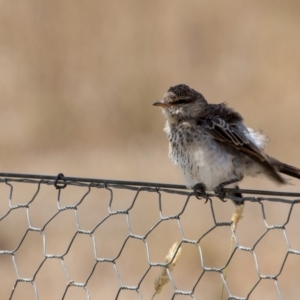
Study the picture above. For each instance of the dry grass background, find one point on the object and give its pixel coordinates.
(77, 80)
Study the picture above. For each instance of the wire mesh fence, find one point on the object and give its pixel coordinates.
(80, 238)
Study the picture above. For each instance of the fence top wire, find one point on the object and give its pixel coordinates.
(138, 185)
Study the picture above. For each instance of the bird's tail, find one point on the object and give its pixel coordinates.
(284, 168)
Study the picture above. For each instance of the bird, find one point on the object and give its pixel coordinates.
(212, 146)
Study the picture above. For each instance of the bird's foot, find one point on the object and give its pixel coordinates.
(219, 190)
(200, 191)
(238, 195)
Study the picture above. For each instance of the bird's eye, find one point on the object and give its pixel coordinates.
(183, 101)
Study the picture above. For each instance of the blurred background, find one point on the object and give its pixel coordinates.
(78, 79)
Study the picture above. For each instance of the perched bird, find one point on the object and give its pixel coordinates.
(212, 146)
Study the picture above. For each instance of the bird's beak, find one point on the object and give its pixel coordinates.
(161, 103)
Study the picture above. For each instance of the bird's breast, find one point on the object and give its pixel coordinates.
(200, 158)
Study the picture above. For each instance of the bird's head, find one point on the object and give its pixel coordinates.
(182, 102)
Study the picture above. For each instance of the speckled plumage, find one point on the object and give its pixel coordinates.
(210, 143)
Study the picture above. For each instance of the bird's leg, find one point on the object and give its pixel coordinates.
(219, 189)
(199, 190)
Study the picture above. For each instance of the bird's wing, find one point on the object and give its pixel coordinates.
(235, 135)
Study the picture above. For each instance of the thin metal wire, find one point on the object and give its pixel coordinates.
(126, 184)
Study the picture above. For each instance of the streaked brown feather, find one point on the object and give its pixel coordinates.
(224, 124)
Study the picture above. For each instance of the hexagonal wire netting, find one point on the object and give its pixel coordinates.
(79, 238)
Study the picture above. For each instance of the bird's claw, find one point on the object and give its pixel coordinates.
(219, 191)
(200, 190)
